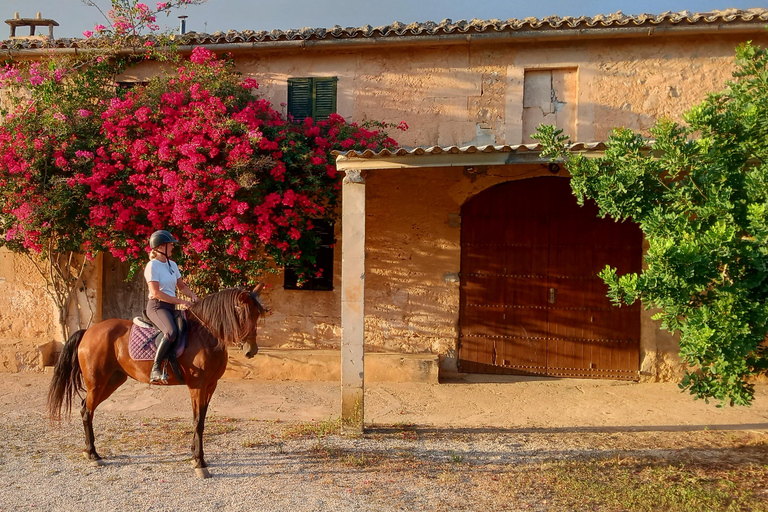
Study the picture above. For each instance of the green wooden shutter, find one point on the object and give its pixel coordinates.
(324, 97)
(300, 98)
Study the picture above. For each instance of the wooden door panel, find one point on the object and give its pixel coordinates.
(121, 298)
(615, 323)
(526, 355)
(590, 359)
(484, 321)
(520, 241)
(485, 289)
(528, 292)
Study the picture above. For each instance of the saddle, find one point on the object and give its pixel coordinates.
(142, 345)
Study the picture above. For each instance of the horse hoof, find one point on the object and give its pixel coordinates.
(202, 473)
(94, 462)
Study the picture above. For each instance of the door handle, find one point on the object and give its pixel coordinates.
(551, 295)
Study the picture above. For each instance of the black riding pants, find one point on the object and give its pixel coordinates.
(161, 314)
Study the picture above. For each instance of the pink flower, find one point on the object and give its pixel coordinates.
(87, 33)
(84, 113)
(249, 83)
(59, 116)
(99, 28)
(201, 55)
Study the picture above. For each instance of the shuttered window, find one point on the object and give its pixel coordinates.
(311, 97)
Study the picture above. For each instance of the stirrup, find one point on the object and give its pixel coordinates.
(158, 377)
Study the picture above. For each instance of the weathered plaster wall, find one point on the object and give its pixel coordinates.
(303, 318)
(413, 238)
(29, 328)
(635, 84)
(468, 93)
(473, 93)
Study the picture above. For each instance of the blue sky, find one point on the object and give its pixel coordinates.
(74, 17)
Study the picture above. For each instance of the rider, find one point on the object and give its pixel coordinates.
(163, 278)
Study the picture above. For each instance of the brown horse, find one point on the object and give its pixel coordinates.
(96, 360)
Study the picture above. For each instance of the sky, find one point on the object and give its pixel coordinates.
(74, 16)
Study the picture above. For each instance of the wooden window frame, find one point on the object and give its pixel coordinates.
(313, 97)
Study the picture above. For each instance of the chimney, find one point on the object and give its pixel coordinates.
(32, 23)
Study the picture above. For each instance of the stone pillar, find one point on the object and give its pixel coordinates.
(352, 300)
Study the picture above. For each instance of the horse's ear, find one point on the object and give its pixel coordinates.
(257, 290)
(243, 297)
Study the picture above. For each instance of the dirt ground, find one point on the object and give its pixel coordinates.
(472, 401)
(469, 444)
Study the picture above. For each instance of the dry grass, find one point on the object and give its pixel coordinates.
(482, 469)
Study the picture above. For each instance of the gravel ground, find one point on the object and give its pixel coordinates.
(270, 465)
(297, 463)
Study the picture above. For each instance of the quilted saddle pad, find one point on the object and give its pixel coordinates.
(141, 343)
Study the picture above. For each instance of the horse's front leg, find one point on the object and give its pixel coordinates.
(200, 400)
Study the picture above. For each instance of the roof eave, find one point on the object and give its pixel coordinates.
(524, 35)
(454, 156)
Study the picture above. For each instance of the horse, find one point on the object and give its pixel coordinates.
(96, 360)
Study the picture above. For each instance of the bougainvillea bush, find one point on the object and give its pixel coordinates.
(195, 151)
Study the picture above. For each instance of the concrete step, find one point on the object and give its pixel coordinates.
(269, 364)
(325, 365)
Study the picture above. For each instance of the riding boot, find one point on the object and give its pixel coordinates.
(158, 374)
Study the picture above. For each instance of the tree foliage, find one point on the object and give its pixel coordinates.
(699, 192)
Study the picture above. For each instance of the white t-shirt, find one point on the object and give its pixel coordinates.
(166, 276)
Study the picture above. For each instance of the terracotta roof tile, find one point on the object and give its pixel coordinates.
(618, 20)
(456, 150)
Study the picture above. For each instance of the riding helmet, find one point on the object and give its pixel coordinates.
(161, 237)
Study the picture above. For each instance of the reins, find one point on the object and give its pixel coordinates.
(240, 337)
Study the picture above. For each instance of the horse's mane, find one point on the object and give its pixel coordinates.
(221, 313)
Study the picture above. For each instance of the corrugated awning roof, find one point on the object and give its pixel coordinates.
(535, 27)
(448, 156)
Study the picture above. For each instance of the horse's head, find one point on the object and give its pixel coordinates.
(254, 310)
(232, 316)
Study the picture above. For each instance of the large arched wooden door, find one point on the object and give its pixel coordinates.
(531, 300)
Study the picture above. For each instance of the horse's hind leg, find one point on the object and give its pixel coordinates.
(96, 394)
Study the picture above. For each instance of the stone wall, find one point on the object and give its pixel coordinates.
(474, 93)
(457, 94)
(30, 334)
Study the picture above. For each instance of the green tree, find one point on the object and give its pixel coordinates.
(699, 192)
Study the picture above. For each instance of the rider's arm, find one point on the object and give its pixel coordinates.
(155, 293)
(183, 288)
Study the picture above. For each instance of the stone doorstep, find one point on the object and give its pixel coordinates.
(25, 355)
(269, 364)
(325, 365)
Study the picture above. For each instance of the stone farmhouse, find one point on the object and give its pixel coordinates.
(463, 251)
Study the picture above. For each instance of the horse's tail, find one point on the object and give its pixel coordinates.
(67, 378)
